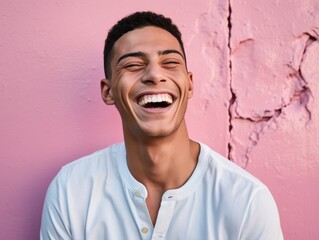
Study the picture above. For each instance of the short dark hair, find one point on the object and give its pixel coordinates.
(135, 21)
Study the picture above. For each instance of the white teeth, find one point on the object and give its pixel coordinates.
(155, 98)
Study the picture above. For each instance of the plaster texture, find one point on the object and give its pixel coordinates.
(274, 108)
(256, 74)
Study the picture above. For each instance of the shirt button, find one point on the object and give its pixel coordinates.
(144, 230)
(138, 193)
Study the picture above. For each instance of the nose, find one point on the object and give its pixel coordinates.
(153, 74)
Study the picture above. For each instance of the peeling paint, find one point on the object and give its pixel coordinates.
(261, 122)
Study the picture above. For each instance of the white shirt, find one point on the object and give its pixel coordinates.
(96, 197)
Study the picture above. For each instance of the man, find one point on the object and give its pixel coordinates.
(158, 183)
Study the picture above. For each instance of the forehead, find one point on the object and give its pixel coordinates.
(148, 39)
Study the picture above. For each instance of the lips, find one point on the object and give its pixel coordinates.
(161, 100)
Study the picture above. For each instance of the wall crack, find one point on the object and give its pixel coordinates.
(301, 94)
(233, 97)
(268, 119)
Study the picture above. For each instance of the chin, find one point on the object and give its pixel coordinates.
(159, 131)
(156, 129)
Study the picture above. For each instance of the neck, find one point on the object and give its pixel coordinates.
(162, 163)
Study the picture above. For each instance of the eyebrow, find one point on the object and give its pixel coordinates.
(133, 54)
(168, 51)
(143, 55)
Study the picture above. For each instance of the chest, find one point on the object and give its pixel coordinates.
(122, 214)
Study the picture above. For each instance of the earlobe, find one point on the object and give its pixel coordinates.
(191, 85)
(106, 92)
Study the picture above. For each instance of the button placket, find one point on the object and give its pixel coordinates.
(143, 220)
(164, 218)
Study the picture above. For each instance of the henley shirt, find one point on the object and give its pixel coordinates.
(96, 197)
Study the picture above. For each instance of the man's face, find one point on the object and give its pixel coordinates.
(150, 85)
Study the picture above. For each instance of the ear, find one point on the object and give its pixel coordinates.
(106, 92)
(191, 85)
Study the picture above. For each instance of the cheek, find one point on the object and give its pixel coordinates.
(123, 88)
(181, 80)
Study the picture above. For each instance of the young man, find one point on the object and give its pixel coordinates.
(158, 183)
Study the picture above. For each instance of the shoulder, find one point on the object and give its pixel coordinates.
(93, 162)
(244, 198)
(79, 176)
(100, 162)
(74, 188)
(222, 169)
(233, 186)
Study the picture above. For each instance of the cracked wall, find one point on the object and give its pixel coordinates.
(274, 109)
(207, 48)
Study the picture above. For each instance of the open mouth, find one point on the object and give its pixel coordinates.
(162, 100)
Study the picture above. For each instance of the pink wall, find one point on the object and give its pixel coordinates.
(256, 97)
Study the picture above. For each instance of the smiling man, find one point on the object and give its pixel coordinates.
(158, 183)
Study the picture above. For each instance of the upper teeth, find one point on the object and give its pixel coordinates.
(155, 98)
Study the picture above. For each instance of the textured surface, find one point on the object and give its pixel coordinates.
(274, 110)
(256, 73)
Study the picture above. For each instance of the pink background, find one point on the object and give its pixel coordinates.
(256, 99)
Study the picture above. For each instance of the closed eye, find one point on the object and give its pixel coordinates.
(133, 66)
(171, 64)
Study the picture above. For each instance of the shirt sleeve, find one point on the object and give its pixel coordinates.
(55, 224)
(261, 220)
